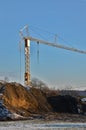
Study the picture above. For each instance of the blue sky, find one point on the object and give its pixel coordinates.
(66, 18)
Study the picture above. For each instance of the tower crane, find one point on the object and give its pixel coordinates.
(27, 40)
(27, 53)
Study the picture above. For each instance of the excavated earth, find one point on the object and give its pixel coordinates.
(23, 101)
(19, 102)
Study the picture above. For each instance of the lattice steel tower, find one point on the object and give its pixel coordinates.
(27, 63)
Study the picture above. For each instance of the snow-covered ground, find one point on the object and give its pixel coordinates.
(42, 125)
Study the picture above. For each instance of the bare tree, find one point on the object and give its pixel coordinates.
(39, 84)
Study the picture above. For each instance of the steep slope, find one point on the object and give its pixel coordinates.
(24, 101)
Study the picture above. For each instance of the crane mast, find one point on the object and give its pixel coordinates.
(27, 54)
(27, 63)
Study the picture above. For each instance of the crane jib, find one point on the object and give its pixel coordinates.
(55, 45)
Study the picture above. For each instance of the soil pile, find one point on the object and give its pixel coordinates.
(19, 102)
(66, 104)
(24, 101)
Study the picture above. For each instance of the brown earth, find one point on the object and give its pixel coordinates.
(36, 103)
(23, 101)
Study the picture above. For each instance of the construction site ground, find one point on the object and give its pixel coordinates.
(19, 102)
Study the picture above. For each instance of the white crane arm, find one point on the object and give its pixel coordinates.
(55, 45)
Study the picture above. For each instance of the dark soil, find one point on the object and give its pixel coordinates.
(65, 104)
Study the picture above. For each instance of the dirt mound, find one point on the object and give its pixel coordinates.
(24, 101)
(17, 102)
(32, 100)
(66, 104)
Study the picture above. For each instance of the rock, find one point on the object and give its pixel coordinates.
(4, 112)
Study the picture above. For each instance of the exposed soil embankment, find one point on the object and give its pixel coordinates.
(19, 102)
(23, 100)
